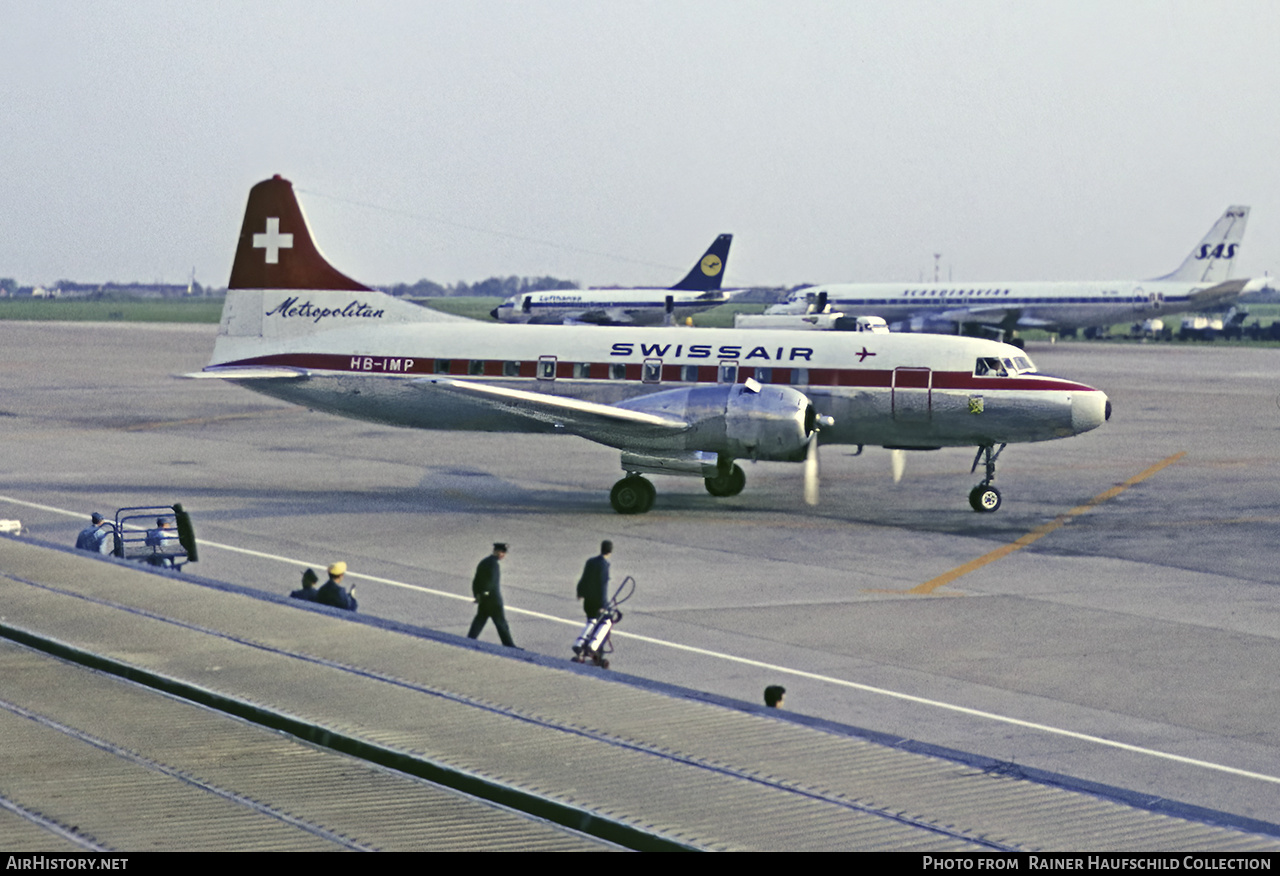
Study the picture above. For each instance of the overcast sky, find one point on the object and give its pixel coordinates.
(610, 142)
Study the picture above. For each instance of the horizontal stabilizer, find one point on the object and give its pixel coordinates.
(246, 372)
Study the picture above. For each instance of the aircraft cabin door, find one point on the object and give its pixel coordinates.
(912, 394)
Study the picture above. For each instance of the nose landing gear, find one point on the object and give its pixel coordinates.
(985, 498)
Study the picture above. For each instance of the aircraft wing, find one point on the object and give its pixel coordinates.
(1222, 292)
(613, 316)
(987, 312)
(607, 424)
(1005, 317)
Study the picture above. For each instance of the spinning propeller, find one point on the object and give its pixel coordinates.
(811, 459)
(898, 463)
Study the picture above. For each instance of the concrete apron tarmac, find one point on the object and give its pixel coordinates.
(1129, 637)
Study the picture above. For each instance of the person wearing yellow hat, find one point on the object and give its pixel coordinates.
(332, 593)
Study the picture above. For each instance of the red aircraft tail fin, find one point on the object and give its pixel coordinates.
(276, 250)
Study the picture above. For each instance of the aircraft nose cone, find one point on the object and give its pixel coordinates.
(1089, 410)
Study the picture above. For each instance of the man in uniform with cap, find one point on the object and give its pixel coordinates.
(488, 593)
(593, 586)
(332, 592)
(94, 537)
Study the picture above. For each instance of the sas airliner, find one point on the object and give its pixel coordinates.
(1202, 281)
(678, 401)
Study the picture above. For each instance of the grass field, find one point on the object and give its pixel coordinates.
(112, 309)
(472, 307)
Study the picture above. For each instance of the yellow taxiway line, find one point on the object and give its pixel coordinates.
(1040, 531)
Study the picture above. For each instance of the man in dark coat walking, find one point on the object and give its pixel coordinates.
(486, 588)
(593, 586)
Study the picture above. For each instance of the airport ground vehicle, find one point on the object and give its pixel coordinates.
(159, 535)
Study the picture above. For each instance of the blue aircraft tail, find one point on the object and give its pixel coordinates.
(709, 271)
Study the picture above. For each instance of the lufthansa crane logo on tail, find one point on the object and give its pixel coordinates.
(1221, 251)
(711, 264)
(273, 241)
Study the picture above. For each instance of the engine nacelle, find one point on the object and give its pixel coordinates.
(740, 421)
(768, 422)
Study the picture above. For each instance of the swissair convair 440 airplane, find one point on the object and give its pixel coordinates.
(680, 401)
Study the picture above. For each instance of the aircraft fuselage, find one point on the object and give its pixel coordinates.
(895, 390)
(1061, 305)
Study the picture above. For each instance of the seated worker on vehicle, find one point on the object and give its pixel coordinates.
(308, 593)
(332, 592)
(162, 541)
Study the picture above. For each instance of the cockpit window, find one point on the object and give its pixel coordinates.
(993, 367)
(989, 367)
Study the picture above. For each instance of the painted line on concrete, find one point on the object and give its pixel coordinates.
(799, 673)
(196, 421)
(1040, 531)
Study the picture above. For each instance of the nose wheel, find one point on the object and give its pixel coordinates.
(985, 498)
(632, 495)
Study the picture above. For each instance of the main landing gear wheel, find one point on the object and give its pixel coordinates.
(728, 483)
(984, 499)
(632, 495)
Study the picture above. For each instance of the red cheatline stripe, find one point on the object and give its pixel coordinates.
(851, 377)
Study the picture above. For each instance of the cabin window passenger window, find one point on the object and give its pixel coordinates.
(799, 376)
(442, 366)
(581, 370)
(510, 369)
(475, 367)
(764, 375)
(689, 373)
(728, 372)
(617, 371)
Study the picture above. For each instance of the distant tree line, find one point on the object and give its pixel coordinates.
(11, 288)
(494, 287)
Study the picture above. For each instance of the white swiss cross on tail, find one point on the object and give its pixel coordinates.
(273, 241)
